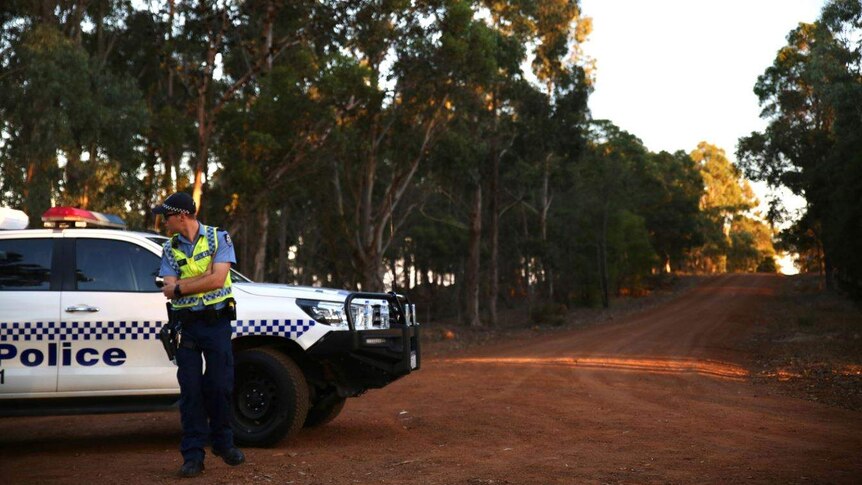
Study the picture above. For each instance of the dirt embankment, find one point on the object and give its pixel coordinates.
(672, 393)
(810, 344)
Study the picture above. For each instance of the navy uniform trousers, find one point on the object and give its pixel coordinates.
(205, 397)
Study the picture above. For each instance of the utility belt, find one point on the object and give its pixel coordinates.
(209, 314)
(171, 332)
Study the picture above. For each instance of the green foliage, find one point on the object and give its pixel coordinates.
(341, 141)
(674, 187)
(726, 196)
(71, 124)
(633, 256)
(810, 97)
(750, 245)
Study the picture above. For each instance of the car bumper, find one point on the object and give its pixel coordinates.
(369, 359)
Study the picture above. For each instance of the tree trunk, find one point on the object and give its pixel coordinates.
(471, 274)
(372, 280)
(493, 265)
(167, 186)
(494, 221)
(203, 151)
(244, 261)
(543, 223)
(525, 259)
(369, 248)
(150, 184)
(393, 268)
(267, 32)
(603, 258)
(205, 115)
(74, 183)
(283, 261)
(260, 250)
(408, 270)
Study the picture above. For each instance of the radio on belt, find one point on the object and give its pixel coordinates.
(81, 309)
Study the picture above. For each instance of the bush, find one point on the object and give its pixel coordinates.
(767, 265)
(549, 314)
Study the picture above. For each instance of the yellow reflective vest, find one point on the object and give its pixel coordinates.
(195, 265)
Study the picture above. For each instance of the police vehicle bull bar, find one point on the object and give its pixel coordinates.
(405, 317)
(373, 355)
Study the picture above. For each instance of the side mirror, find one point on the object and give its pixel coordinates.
(160, 282)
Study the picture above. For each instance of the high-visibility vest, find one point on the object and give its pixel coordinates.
(195, 265)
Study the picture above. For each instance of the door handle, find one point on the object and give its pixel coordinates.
(81, 308)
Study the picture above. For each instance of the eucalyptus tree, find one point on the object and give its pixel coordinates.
(810, 98)
(726, 194)
(71, 124)
(143, 51)
(671, 206)
(205, 35)
(410, 64)
(270, 132)
(539, 125)
(559, 29)
(750, 245)
(610, 192)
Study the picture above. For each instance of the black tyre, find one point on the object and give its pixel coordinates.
(324, 411)
(270, 400)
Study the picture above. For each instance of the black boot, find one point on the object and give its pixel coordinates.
(191, 468)
(232, 456)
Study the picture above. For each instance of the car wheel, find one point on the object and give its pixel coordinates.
(270, 400)
(324, 411)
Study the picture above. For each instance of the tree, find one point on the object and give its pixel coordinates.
(750, 244)
(72, 123)
(725, 195)
(209, 31)
(671, 206)
(608, 185)
(810, 98)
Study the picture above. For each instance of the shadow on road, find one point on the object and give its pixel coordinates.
(88, 433)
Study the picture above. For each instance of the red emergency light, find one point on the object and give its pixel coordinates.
(63, 217)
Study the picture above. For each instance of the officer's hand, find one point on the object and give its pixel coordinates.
(168, 290)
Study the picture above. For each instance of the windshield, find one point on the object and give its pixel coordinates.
(160, 240)
(235, 275)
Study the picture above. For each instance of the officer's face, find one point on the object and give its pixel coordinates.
(173, 222)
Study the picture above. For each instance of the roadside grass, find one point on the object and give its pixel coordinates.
(809, 344)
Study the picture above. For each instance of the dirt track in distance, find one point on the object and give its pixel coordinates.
(661, 396)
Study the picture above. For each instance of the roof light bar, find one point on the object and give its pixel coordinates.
(63, 217)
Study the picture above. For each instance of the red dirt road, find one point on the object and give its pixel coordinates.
(663, 396)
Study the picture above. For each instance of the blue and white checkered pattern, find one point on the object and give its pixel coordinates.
(292, 329)
(64, 331)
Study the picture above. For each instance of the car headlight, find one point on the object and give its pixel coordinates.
(369, 314)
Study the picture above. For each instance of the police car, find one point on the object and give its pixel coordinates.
(81, 310)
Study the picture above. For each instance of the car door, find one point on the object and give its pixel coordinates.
(115, 310)
(29, 314)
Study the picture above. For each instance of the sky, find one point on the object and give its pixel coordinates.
(677, 72)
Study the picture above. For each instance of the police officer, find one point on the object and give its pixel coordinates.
(196, 270)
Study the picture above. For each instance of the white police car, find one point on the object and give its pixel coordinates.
(81, 309)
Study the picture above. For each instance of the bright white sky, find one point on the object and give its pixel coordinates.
(677, 72)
